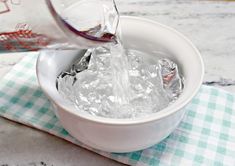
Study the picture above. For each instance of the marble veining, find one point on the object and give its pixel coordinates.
(41, 163)
(221, 82)
(209, 24)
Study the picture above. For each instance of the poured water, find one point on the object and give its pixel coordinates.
(115, 88)
(112, 81)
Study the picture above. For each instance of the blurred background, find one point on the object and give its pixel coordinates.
(209, 24)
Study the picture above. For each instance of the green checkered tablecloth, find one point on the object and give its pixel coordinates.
(206, 136)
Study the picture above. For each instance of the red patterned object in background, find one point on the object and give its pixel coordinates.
(23, 38)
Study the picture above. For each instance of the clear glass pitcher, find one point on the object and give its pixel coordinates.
(29, 25)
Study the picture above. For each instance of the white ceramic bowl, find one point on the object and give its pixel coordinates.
(125, 135)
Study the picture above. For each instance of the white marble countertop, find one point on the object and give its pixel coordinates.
(208, 24)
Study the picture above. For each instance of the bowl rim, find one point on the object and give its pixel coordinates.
(139, 120)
